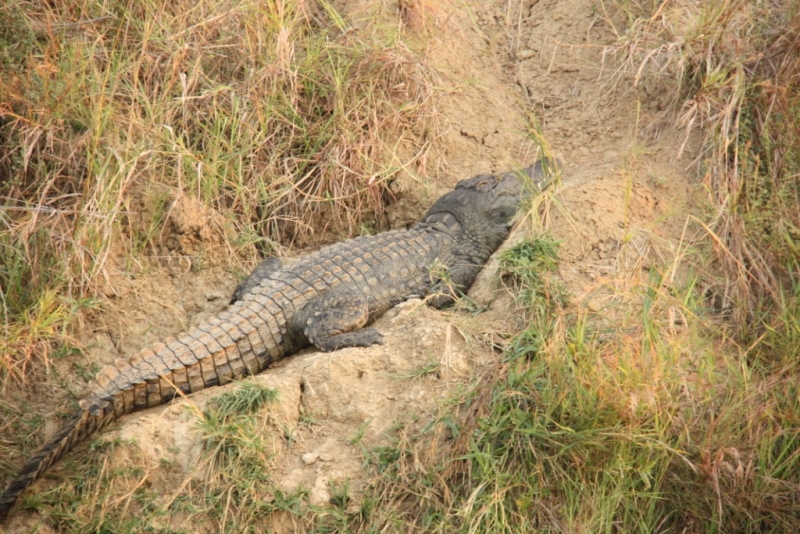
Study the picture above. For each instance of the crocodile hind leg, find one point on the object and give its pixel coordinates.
(335, 322)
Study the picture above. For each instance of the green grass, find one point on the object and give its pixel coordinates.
(237, 490)
(96, 493)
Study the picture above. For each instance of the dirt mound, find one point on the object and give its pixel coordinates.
(622, 203)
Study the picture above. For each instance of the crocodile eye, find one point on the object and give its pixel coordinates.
(484, 185)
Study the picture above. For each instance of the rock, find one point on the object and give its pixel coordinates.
(309, 458)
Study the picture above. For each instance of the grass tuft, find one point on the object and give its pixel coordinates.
(249, 398)
(236, 486)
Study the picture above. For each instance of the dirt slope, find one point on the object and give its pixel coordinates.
(622, 205)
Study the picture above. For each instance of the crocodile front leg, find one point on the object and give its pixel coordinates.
(447, 289)
(334, 322)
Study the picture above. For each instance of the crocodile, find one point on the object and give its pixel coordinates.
(324, 299)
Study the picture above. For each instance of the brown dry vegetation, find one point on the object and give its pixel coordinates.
(651, 384)
(737, 68)
(279, 117)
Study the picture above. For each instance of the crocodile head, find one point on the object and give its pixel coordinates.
(489, 200)
(480, 210)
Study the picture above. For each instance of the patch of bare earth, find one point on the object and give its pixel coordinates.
(621, 206)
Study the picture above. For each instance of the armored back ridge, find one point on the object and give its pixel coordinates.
(325, 299)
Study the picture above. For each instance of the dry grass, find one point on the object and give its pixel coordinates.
(422, 14)
(282, 117)
(732, 69)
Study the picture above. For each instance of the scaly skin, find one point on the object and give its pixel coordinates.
(324, 299)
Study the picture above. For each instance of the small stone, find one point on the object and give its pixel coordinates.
(594, 305)
(309, 458)
(525, 54)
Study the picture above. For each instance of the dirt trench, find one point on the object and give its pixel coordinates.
(622, 204)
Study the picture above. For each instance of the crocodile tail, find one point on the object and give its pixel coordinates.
(82, 424)
(219, 350)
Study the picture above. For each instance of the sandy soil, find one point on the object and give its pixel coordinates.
(621, 206)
